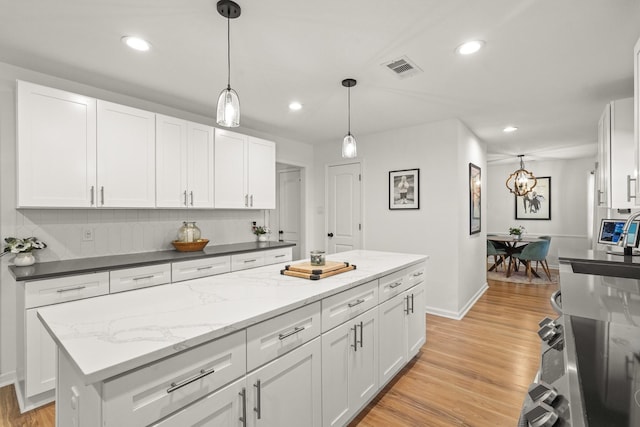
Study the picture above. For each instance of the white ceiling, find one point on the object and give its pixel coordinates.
(548, 66)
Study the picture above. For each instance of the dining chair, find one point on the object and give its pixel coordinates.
(495, 252)
(535, 251)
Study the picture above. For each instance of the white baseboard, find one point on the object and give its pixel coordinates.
(7, 378)
(461, 313)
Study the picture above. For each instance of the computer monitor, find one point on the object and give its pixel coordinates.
(611, 230)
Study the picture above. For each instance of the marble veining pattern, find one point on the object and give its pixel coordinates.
(109, 335)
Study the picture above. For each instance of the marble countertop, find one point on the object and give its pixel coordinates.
(47, 270)
(112, 334)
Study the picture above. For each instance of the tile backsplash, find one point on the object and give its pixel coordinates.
(127, 231)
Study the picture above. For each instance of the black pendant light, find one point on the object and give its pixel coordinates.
(228, 102)
(349, 149)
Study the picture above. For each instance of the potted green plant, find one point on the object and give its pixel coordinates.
(261, 231)
(516, 231)
(22, 248)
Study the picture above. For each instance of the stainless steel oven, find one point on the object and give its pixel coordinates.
(590, 356)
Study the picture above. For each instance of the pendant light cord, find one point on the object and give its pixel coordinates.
(228, 53)
(349, 113)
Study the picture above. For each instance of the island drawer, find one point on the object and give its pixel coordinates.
(67, 288)
(416, 274)
(185, 270)
(346, 305)
(145, 395)
(393, 284)
(129, 279)
(275, 256)
(279, 335)
(248, 260)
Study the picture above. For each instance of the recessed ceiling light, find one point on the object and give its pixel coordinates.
(136, 43)
(295, 106)
(470, 47)
(510, 129)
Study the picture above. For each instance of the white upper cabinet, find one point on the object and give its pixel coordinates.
(56, 147)
(245, 175)
(636, 112)
(184, 163)
(616, 186)
(126, 156)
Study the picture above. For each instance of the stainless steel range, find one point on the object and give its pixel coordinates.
(590, 359)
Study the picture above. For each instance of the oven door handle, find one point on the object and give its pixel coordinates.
(554, 301)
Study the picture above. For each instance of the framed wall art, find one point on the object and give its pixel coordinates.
(404, 189)
(475, 198)
(537, 203)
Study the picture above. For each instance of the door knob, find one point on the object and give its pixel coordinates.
(330, 234)
(280, 232)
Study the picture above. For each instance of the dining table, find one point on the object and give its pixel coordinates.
(512, 245)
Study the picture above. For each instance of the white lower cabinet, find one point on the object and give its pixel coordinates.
(402, 330)
(40, 367)
(349, 368)
(287, 391)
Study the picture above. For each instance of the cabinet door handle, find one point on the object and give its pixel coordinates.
(356, 302)
(143, 277)
(355, 337)
(191, 195)
(418, 274)
(258, 409)
(203, 373)
(102, 196)
(243, 418)
(406, 304)
(76, 288)
(629, 196)
(411, 303)
(246, 200)
(185, 197)
(288, 334)
(599, 198)
(251, 198)
(395, 285)
(93, 196)
(361, 333)
(209, 267)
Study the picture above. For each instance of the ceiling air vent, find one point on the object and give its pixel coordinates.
(403, 67)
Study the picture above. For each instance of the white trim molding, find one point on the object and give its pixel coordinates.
(461, 313)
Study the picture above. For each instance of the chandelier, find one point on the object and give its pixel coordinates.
(521, 181)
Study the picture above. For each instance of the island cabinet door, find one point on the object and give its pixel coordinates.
(393, 352)
(224, 408)
(416, 326)
(287, 392)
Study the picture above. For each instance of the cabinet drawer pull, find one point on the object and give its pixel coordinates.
(258, 409)
(143, 277)
(395, 285)
(203, 373)
(250, 260)
(419, 273)
(280, 256)
(209, 267)
(356, 302)
(76, 288)
(288, 334)
(243, 418)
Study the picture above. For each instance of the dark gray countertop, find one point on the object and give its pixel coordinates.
(47, 270)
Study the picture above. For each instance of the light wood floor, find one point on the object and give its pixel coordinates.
(473, 372)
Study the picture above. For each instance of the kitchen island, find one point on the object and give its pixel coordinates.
(252, 347)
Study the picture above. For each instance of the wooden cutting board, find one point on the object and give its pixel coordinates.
(306, 267)
(312, 276)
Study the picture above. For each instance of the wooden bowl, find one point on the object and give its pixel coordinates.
(198, 245)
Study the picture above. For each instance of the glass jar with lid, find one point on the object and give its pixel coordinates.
(188, 232)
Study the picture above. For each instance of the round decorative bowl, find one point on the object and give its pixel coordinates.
(198, 245)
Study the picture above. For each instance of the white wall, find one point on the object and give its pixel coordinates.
(440, 227)
(115, 231)
(569, 203)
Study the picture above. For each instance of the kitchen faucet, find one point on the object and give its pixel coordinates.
(622, 241)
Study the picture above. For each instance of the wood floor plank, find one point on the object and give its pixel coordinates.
(470, 373)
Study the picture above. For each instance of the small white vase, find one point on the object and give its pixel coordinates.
(262, 237)
(24, 259)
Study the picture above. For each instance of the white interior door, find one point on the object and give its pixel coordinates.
(289, 208)
(343, 208)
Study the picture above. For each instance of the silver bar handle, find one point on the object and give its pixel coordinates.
(93, 195)
(356, 302)
(203, 373)
(355, 337)
(599, 198)
(251, 198)
(185, 197)
(102, 196)
(76, 288)
(361, 333)
(280, 256)
(243, 418)
(418, 274)
(246, 200)
(395, 285)
(258, 408)
(143, 277)
(406, 304)
(209, 267)
(629, 196)
(191, 196)
(250, 260)
(412, 303)
(288, 334)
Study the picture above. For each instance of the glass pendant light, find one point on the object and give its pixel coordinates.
(349, 149)
(228, 102)
(521, 181)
